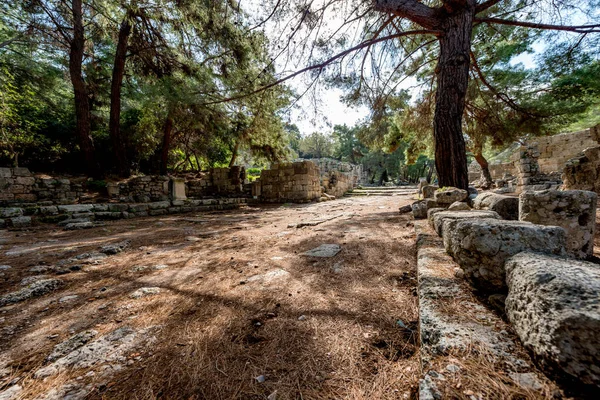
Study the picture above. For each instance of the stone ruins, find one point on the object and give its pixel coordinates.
(26, 198)
(529, 256)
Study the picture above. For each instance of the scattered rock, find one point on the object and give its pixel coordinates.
(115, 248)
(11, 393)
(324, 250)
(35, 289)
(528, 380)
(337, 268)
(459, 206)
(69, 298)
(5, 267)
(145, 291)
(405, 209)
(40, 269)
(302, 318)
(553, 305)
(71, 344)
(30, 279)
(260, 378)
(452, 368)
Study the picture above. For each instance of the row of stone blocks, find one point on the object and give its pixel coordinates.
(553, 298)
(64, 214)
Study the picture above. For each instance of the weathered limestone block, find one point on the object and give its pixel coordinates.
(481, 247)
(506, 206)
(76, 208)
(573, 210)
(459, 206)
(20, 222)
(450, 195)
(21, 172)
(177, 189)
(428, 191)
(11, 212)
(553, 304)
(437, 220)
(118, 207)
(421, 207)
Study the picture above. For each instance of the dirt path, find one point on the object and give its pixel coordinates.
(216, 306)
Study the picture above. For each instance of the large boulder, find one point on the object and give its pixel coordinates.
(553, 304)
(450, 195)
(481, 247)
(437, 219)
(573, 210)
(506, 206)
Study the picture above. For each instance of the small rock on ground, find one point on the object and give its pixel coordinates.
(38, 288)
(115, 247)
(145, 291)
(324, 250)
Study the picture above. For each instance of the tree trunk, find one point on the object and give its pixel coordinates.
(235, 153)
(114, 126)
(452, 80)
(82, 104)
(486, 177)
(166, 144)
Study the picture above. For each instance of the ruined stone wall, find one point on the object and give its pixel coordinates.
(143, 189)
(583, 171)
(290, 182)
(554, 152)
(18, 185)
(337, 183)
(218, 181)
(355, 172)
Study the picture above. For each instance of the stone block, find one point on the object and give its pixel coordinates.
(76, 208)
(5, 173)
(11, 212)
(25, 180)
(553, 304)
(573, 210)
(118, 207)
(506, 206)
(481, 247)
(103, 215)
(135, 208)
(459, 206)
(159, 205)
(177, 189)
(437, 219)
(428, 191)
(19, 222)
(49, 210)
(450, 195)
(21, 172)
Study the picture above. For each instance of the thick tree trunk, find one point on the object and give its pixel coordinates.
(166, 144)
(452, 80)
(234, 155)
(114, 126)
(82, 104)
(486, 177)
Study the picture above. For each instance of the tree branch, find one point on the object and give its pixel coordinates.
(502, 96)
(485, 5)
(575, 28)
(411, 9)
(324, 63)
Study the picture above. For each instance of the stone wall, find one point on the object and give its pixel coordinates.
(142, 189)
(554, 152)
(18, 185)
(289, 182)
(337, 183)
(79, 216)
(355, 172)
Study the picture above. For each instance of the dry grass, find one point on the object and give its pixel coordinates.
(219, 330)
